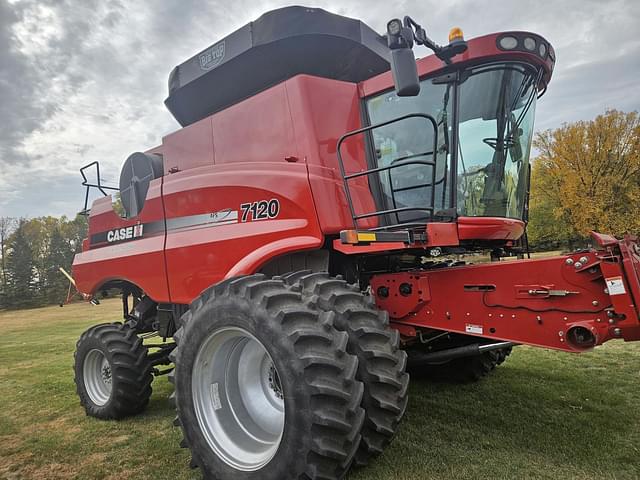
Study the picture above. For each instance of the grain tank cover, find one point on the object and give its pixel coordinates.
(279, 45)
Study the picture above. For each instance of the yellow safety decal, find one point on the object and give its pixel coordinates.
(366, 237)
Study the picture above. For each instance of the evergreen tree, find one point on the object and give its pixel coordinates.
(20, 271)
(7, 225)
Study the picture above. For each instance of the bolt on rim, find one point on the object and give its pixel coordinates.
(238, 398)
(97, 375)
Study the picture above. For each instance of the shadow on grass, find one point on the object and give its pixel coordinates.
(528, 419)
(534, 417)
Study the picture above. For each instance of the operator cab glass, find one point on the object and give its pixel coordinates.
(492, 130)
(403, 142)
(495, 128)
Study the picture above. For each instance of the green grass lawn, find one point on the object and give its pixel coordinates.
(542, 414)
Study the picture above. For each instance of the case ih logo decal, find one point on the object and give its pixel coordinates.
(127, 233)
(212, 57)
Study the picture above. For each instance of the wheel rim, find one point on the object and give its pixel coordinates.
(238, 399)
(97, 377)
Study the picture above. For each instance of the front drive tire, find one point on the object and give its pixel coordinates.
(264, 386)
(112, 373)
(381, 362)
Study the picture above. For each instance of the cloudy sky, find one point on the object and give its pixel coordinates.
(84, 80)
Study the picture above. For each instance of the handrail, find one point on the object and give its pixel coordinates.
(404, 161)
(99, 186)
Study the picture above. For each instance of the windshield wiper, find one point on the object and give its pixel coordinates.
(529, 82)
(513, 123)
(444, 121)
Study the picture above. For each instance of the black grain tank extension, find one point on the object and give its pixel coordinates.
(279, 45)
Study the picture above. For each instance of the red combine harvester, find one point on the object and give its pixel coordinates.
(291, 244)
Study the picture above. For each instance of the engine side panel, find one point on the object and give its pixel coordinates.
(229, 219)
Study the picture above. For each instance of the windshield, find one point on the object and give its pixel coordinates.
(495, 127)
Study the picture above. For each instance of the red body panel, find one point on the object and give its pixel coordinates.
(489, 228)
(322, 111)
(140, 262)
(258, 129)
(198, 256)
(190, 147)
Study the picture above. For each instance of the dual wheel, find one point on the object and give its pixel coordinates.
(286, 378)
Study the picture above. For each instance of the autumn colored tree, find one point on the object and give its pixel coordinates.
(59, 254)
(38, 232)
(586, 177)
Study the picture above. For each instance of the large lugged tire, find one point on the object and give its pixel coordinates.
(381, 363)
(249, 350)
(112, 373)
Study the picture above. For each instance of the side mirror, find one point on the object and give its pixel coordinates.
(403, 62)
(405, 72)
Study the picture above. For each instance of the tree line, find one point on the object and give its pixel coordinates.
(585, 176)
(31, 253)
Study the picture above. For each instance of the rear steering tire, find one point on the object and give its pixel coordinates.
(112, 373)
(264, 386)
(468, 369)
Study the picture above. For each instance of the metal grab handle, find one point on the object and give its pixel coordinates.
(346, 177)
(99, 186)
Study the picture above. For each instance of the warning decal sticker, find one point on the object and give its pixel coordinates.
(215, 396)
(475, 329)
(615, 285)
